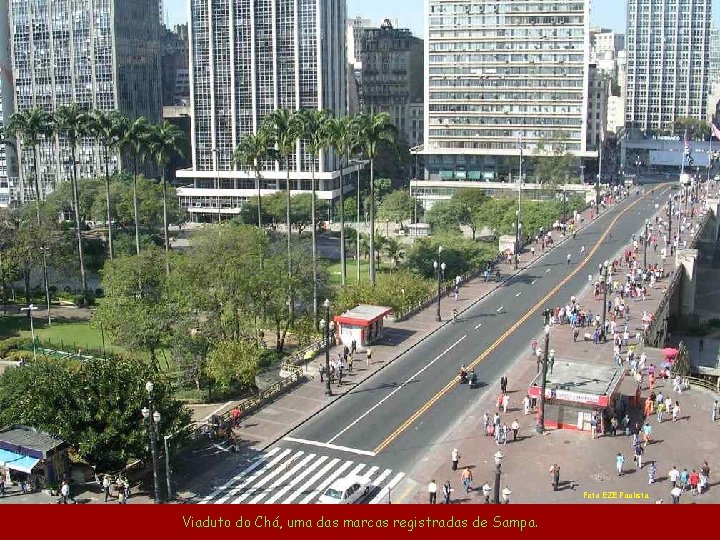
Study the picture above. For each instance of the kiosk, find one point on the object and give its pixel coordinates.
(362, 324)
(577, 390)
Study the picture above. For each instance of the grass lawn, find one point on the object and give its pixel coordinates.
(72, 335)
(334, 271)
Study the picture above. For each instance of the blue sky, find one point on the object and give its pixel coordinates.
(605, 13)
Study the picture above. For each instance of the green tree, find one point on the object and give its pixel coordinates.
(250, 153)
(694, 128)
(234, 363)
(165, 141)
(469, 201)
(497, 214)
(553, 161)
(72, 123)
(444, 217)
(374, 130)
(394, 251)
(397, 206)
(109, 128)
(135, 142)
(461, 255)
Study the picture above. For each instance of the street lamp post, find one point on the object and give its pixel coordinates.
(517, 236)
(582, 174)
(328, 327)
(540, 427)
(440, 271)
(606, 268)
(30, 309)
(645, 243)
(498, 456)
(669, 233)
(153, 420)
(564, 194)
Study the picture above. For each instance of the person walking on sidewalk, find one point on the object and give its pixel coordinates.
(676, 411)
(106, 487)
(505, 402)
(455, 458)
(515, 426)
(447, 490)
(432, 492)
(674, 476)
(639, 451)
(467, 479)
(555, 476)
(526, 404)
(652, 470)
(619, 461)
(368, 356)
(503, 384)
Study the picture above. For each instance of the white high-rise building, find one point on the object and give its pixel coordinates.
(248, 58)
(501, 74)
(98, 54)
(668, 62)
(8, 158)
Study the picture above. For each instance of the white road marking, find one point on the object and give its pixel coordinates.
(500, 309)
(266, 465)
(285, 477)
(385, 492)
(264, 480)
(534, 281)
(306, 471)
(548, 270)
(518, 294)
(314, 479)
(478, 326)
(220, 408)
(237, 477)
(391, 394)
(331, 446)
(280, 480)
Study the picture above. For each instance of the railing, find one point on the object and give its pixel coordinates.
(703, 383)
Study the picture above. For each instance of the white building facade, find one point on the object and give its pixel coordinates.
(8, 157)
(248, 58)
(501, 74)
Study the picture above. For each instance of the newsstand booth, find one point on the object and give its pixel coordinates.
(27, 454)
(576, 390)
(362, 324)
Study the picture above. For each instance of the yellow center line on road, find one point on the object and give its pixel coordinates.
(449, 386)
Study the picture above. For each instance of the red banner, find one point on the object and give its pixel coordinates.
(349, 522)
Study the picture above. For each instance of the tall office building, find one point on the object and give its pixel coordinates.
(668, 48)
(500, 72)
(98, 54)
(248, 58)
(8, 159)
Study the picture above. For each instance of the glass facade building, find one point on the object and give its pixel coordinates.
(668, 63)
(98, 54)
(248, 58)
(501, 74)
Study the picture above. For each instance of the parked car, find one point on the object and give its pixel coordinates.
(346, 490)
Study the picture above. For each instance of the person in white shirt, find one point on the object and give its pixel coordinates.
(432, 492)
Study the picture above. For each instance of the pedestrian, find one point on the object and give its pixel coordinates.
(447, 490)
(432, 492)
(647, 433)
(593, 426)
(106, 487)
(675, 495)
(705, 469)
(467, 479)
(526, 404)
(652, 470)
(504, 434)
(619, 461)
(455, 458)
(639, 451)
(701, 345)
(555, 476)
(694, 481)
(368, 354)
(2, 485)
(505, 402)
(533, 345)
(515, 426)
(715, 410)
(684, 479)
(351, 360)
(65, 492)
(674, 476)
(660, 411)
(676, 411)
(503, 384)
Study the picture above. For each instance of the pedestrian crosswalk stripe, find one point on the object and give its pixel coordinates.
(234, 479)
(285, 476)
(248, 481)
(310, 482)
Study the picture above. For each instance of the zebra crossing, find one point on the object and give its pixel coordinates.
(291, 476)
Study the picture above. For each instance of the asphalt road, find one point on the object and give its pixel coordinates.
(396, 415)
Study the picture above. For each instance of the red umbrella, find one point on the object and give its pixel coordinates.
(669, 352)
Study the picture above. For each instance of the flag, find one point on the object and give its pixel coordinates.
(715, 131)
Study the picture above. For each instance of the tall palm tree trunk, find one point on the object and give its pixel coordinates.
(165, 224)
(78, 233)
(313, 218)
(287, 222)
(135, 207)
(107, 204)
(259, 206)
(372, 222)
(343, 265)
(46, 281)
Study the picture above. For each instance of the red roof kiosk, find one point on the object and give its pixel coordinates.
(576, 390)
(362, 324)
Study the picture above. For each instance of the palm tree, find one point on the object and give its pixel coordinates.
(135, 142)
(29, 126)
(394, 251)
(164, 141)
(283, 128)
(374, 130)
(315, 133)
(342, 135)
(109, 128)
(253, 150)
(71, 122)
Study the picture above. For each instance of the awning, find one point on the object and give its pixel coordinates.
(17, 462)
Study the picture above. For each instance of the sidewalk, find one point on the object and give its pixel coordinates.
(587, 466)
(273, 421)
